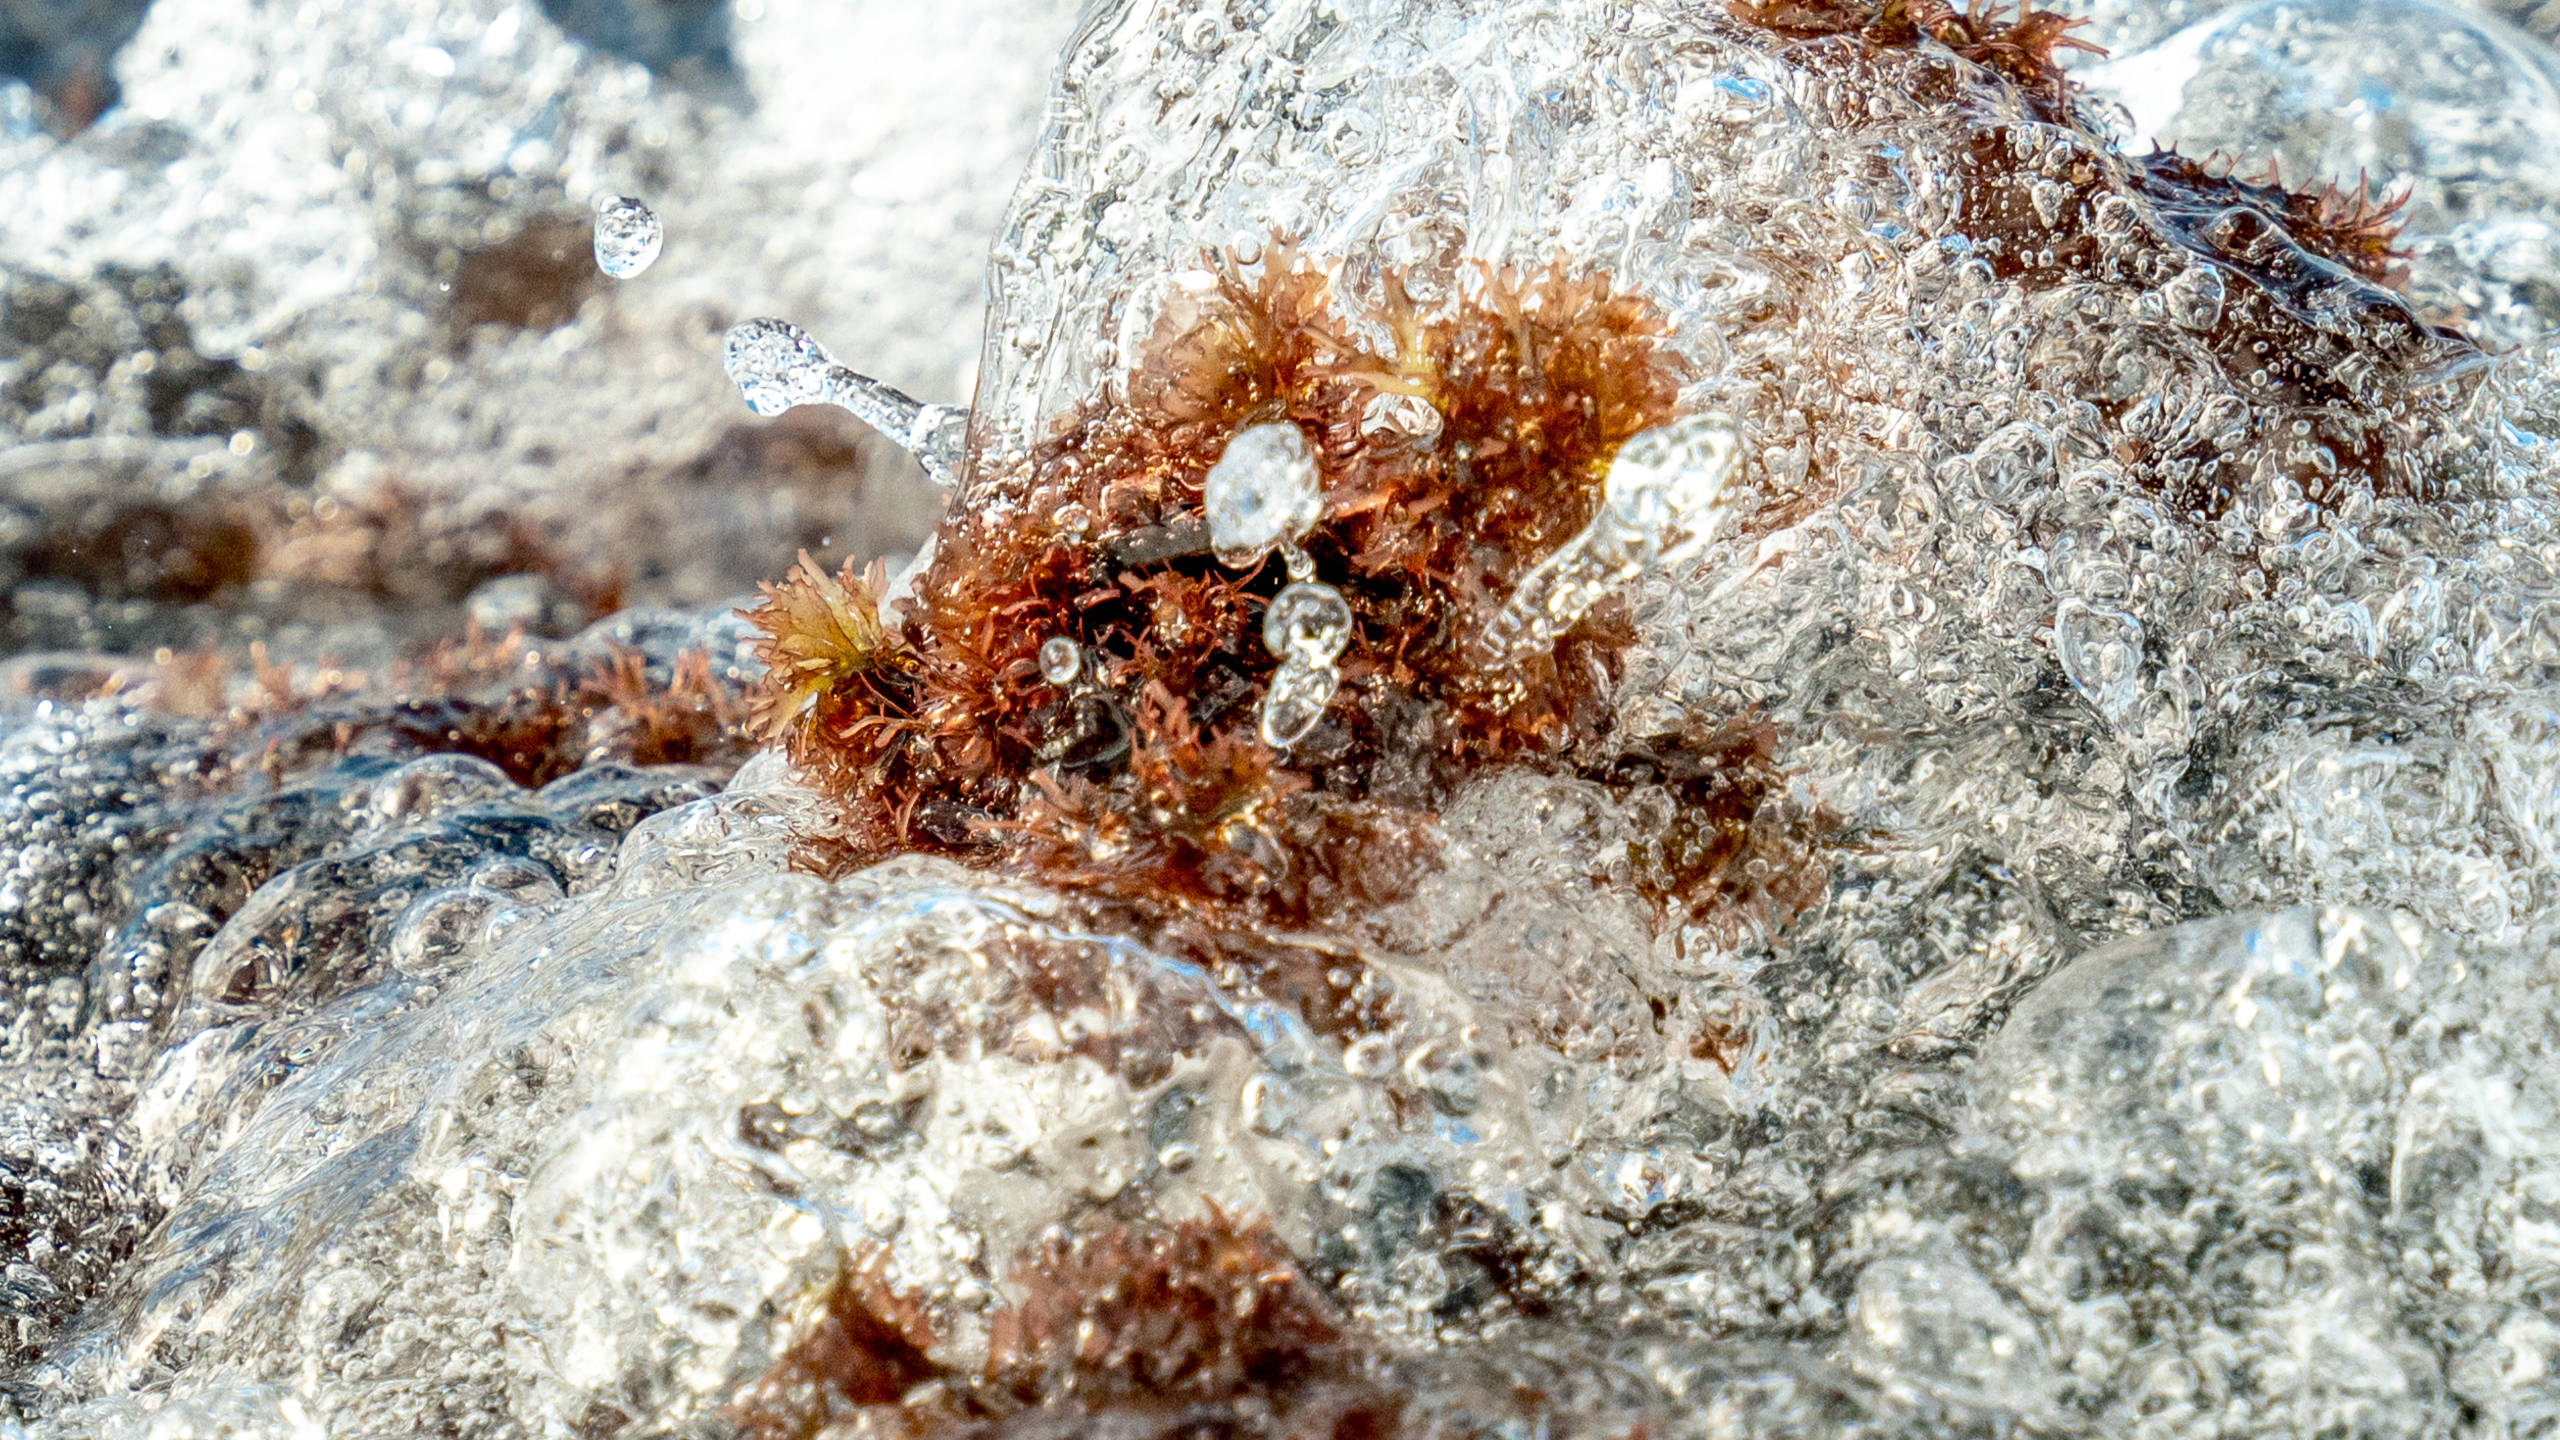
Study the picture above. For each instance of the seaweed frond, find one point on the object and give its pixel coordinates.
(861, 1343)
(2358, 231)
(1199, 1312)
(2020, 43)
(828, 660)
(1141, 780)
(2023, 44)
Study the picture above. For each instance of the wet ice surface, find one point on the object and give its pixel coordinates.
(2164, 1049)
(2454, 109)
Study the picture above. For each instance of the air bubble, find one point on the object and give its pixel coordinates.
(1061, 660)
(433, 784)
(2194, 297)
(441, 928)
(627, 236)
(2101, 654)
(1267, 1105)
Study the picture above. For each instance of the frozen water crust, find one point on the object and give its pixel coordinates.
(2158, 615)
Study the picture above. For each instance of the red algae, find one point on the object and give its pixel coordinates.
(1195, 1324)
(862, 1344)
(1141, 782)
(500, 699)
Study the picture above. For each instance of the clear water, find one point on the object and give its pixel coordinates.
(627, 236)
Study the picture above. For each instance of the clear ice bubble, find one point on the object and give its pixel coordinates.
(2194, 297)
(1263, 492)
(1061, 660)
(441, 928)
(1307, 626)
(1660, 504)
(777, 365)
(1308, 623)
(430, 785)
(519, 878)
(628, 236)
(2101, 653)
(1391, 417)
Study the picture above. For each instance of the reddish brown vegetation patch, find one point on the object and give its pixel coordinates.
(514, 704)
(1716, 837)
(862, 1344)
(2023, 45)
(2307, 325)
(1203, 1326)
(1144, 781)
(1199, 1312)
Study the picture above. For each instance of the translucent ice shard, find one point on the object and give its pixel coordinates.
(627, 236)
(1263, 491)
(777, 365)
(1659, 506)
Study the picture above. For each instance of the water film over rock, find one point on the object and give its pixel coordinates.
(1692, 718)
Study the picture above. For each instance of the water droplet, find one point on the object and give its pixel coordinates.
(1307, 626)
(776, 365)
(627, 236)
(1669, 482)
(1061, 660)
(1308, 622)
(1297, 700)
(1264, 491)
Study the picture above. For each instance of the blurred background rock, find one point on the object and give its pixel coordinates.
(301, 340)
